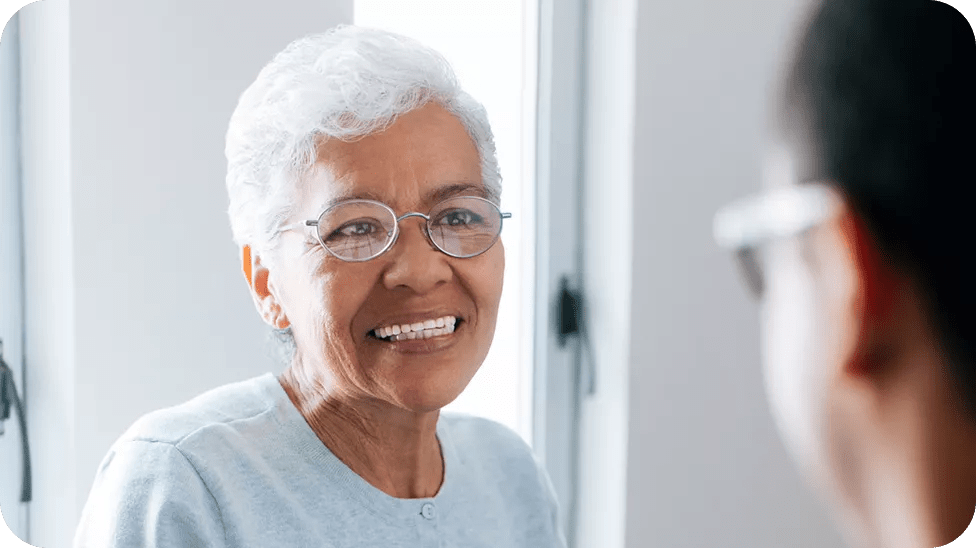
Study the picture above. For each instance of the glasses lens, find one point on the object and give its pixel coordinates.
(750, 263)
(357, 230)
(465, 226)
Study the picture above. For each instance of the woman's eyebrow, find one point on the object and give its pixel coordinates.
(355, 195)
(456, 189)
(432, 197)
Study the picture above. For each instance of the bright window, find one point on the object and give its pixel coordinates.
(491, 46)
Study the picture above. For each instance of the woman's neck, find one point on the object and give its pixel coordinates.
(394, 450)
(925, 480)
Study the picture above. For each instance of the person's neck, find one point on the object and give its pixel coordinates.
(923, 488)
(395, 450)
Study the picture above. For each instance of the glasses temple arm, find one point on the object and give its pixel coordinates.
(293, 226)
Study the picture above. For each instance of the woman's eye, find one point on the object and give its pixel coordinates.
(359, 229)
(460, 217)
(356, 229)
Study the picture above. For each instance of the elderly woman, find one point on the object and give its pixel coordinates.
(364, 196)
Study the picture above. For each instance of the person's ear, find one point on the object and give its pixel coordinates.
(258, 281)
(878, 290)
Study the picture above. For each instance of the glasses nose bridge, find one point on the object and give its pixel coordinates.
(409, 214)
(412, 214)
(424, 227)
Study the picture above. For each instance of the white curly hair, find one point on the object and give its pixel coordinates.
(343, 84)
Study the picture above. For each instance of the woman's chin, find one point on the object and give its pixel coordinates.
(428, 385)
(426, 402)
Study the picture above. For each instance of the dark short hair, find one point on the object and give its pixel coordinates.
(881, 94)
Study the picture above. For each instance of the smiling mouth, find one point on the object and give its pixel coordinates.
(426, 329)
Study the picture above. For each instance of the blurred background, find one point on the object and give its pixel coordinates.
(621, 125)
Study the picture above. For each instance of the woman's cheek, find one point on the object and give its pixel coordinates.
(794, 372)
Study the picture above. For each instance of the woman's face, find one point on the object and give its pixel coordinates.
(336, 307)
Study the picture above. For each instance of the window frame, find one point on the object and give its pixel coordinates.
(562, 377)
(12, 295)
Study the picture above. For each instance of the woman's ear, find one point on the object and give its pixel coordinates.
(878, 293)
(258, 281)
(246, 263)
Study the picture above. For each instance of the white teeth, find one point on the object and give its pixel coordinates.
(420, 330)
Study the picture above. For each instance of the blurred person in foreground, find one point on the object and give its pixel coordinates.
(364, 197)
(861, 249)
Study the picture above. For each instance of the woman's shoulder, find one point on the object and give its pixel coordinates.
(493, 456)
(473, 435)
(219, 407)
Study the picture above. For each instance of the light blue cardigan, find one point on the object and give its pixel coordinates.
(240, 467)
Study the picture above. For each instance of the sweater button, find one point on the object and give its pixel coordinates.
(428, 511)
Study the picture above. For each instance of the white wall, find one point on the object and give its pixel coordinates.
(705, 466)
(135, 297)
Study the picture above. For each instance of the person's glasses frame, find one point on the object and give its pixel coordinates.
(745, 225)
(393, 236)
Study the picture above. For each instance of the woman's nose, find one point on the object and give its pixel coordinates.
(415, 262)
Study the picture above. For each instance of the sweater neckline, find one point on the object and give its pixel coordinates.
(385, 506)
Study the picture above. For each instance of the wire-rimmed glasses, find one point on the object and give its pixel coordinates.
(745, 225)
(360, 230)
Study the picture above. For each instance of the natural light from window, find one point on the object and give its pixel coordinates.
(493, 55)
